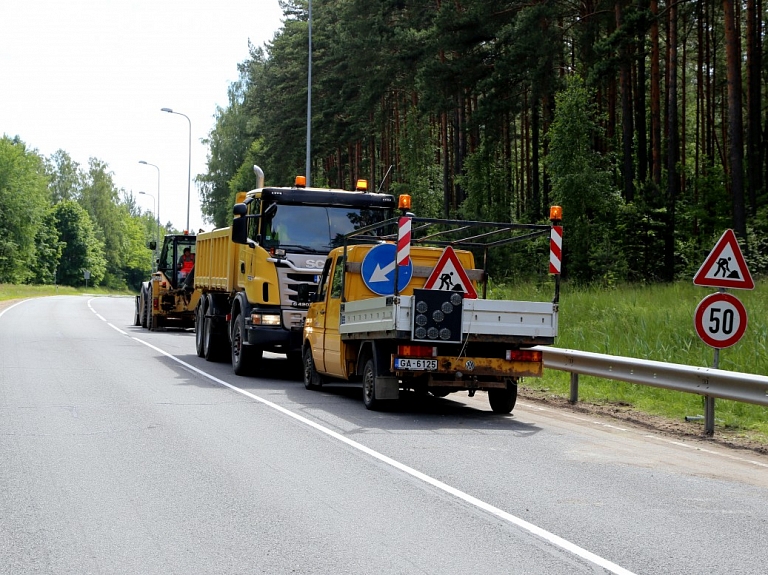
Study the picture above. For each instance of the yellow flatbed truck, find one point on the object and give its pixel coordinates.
(421, 326)
(248, 276)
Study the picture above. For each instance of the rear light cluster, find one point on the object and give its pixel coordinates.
(417, 351)
(522, 355)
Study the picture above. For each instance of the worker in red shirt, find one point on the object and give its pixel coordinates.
(186, 263)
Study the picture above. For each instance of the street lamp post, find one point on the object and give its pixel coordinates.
(157, 220)
(157, 214)
(308, 168)
(189, 172)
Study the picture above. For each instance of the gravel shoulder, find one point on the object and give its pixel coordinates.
(689, 430)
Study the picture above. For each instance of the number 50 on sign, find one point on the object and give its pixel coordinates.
(720, 320)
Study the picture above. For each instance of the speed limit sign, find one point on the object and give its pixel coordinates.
(720, 320)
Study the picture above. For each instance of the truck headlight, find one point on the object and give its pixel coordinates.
(265, 319)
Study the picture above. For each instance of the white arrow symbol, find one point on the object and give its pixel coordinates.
(380, 274)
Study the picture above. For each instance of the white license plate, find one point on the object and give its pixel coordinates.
(415, 364)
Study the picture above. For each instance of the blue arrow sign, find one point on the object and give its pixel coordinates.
(378, 270)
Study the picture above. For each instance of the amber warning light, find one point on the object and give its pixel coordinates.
(361, 186)
(404, 202)
(555, 213)
(301, 181)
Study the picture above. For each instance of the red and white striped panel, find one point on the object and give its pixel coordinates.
(556, 249)
(404, 241)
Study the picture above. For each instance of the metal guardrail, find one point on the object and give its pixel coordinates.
(709, 382)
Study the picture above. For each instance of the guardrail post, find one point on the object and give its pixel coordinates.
(709, 415)
(574, 387)
(709, 403)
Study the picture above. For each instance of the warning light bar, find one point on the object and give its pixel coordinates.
(417, 350)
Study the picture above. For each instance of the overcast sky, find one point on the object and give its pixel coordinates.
(90, 76)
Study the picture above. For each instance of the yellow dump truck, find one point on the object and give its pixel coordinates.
(249, 276)
(396, 315)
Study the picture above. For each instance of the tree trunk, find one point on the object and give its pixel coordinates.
(735, 127)
(626, 117)
(672, 147)
(754, 64)
(655, 97)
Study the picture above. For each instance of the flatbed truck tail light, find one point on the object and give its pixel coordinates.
(417, 350)
(523, 355)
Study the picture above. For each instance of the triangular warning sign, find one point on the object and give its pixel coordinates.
(449, 275)
(725, 266)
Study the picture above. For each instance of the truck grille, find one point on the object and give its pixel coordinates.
(293, 312)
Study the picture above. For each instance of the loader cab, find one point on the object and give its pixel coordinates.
(172, 262)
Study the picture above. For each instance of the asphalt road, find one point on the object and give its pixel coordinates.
(123, 452)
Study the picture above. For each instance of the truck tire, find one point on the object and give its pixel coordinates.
(503, 400)
(214, 347)
(200, 328)
(369, 386)
(143, 305)
(150, 318)
(244, 357)
(312, 379)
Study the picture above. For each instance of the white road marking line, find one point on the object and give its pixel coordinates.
(12, 306)
(530, 527)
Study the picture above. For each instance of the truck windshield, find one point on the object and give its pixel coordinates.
(315, 229)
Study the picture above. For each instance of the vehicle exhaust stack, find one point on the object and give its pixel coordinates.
(259, 176)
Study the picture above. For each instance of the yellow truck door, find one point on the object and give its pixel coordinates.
(332, 348)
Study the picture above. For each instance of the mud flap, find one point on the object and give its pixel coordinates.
(386, 387)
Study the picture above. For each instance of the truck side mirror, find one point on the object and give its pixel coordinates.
(152, 245)
(240, 224)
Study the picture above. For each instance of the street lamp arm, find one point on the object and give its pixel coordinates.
(189, 170)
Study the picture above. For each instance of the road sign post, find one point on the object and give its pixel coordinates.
(720, 319)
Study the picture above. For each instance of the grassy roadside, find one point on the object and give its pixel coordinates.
(653, 322)
(11, 291)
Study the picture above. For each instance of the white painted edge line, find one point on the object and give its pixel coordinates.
(531, 528)
(13, 306)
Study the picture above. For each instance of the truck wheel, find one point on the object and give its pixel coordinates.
(244, 357)
(213, 348)
(503, 400)
(200, 328)
(143, 306)
(369, 386)
(312, 379)
(150, 316)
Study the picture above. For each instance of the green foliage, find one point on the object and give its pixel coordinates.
(581, 184)
(66, 177)
(47, 251)
(81, 249)
(23, 202)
